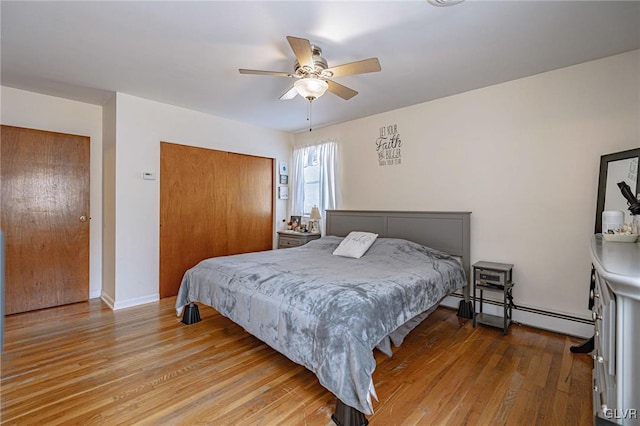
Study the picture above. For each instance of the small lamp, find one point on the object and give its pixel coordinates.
(314, 219)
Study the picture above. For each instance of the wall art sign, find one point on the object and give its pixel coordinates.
(284, 168)
(283, 192)
(389, 146)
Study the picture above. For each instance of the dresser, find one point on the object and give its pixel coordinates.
(616, 314)
(288, 239)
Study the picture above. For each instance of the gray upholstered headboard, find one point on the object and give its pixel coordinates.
(446, 231)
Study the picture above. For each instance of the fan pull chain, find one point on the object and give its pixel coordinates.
(309, 113)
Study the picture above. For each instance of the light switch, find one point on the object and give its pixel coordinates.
(148, 176)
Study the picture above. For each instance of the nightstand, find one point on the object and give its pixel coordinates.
(288, 239)
(493, 277)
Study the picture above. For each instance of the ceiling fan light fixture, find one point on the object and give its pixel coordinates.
(311, 88)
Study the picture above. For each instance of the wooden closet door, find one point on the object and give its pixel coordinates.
(45, 217)
(249, 204)
(212, 203)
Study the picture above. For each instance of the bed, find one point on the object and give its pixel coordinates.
(330, 312)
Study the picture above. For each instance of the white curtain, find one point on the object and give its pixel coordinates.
(327, 153)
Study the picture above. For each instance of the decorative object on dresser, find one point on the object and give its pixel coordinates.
(288, 239)
(493, 277)
(616, 313)
(632, 201)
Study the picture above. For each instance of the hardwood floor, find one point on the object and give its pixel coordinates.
(85, 364)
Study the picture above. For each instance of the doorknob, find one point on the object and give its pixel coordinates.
(83, 218)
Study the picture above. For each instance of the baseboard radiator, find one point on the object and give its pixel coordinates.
(535, 317)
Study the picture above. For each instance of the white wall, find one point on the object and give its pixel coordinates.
(140, 127)
(523, 156)
(109, 201)
(32, 110)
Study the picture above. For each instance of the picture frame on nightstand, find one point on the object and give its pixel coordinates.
(296, 219)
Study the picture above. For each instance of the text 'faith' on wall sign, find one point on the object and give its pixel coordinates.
(389, 145)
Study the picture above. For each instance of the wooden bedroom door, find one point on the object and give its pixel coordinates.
(45, 217)
(212, 203)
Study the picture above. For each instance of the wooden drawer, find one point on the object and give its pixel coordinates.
(286, 241)
(604, 361)
(604, 391)
(295, 239)
(604, 316)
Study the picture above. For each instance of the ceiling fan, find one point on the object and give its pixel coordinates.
(312, 73)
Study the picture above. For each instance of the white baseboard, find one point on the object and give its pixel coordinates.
(137, 301)
(107, 299)
(537, 319)
(121, 304)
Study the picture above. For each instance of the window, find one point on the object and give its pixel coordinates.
(313, 178)
(311, 173)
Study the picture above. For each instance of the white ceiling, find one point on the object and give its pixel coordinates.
(188, 53)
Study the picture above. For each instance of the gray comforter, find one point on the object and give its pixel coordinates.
(327, 312)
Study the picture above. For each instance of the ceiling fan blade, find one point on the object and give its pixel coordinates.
(343, 91)
(260, 72)
(302, 49)
(289, 94)
(359, 67)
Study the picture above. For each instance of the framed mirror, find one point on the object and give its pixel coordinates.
(614, 168)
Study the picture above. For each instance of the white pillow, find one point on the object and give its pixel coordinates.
(355, 244)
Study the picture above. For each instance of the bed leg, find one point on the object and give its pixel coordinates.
(465, 310)
(348, 416)
(191, 314)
